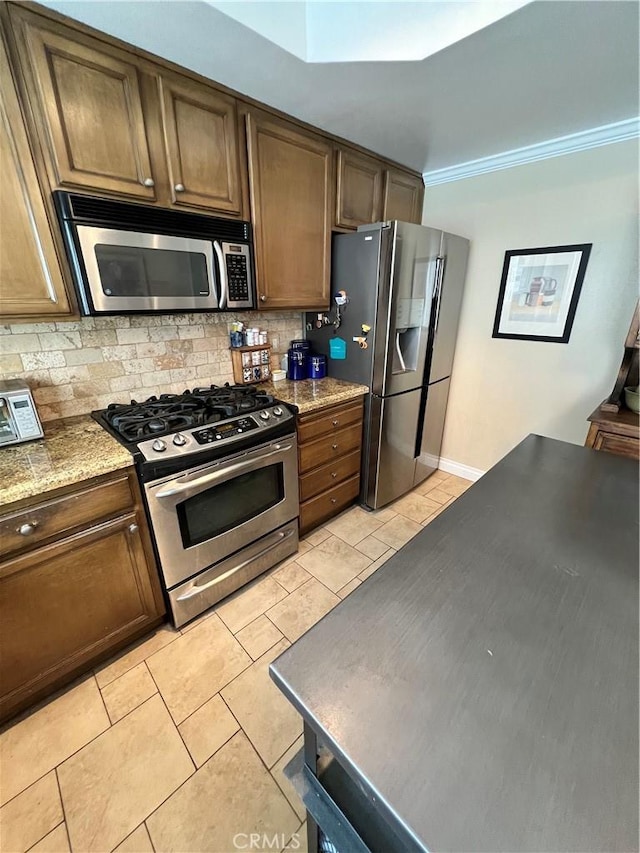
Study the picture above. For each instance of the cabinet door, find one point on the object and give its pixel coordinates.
(64, 604)
(202, 145)
(89, 110)
(31, 280)
(359, 190)
(403, 194)
(290, 174)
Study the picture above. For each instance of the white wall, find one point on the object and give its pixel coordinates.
(502, 390)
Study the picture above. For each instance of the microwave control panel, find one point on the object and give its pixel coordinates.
(238, 275)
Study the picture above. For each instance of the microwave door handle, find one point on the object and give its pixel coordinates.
(223, 275)
(177, 488)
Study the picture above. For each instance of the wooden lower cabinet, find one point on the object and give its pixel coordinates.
(615, 432)
(71, 602)
(329, 450)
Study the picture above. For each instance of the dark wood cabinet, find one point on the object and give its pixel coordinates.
(290, 181)
(202, 145)
(329, 442)
(403, 195)
(87, 107)
(81, 585)
(359, 189)
(32, 278)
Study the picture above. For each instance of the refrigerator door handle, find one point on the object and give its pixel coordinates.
(439, 281)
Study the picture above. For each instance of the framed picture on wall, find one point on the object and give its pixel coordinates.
(539, 293)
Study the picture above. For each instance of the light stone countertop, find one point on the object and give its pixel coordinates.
(72, 450)
(310, 395)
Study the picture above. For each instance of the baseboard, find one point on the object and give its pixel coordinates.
(460, 470)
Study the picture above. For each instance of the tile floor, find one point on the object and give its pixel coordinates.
(179, 743)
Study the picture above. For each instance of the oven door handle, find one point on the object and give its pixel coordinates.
(177, 488)
(198, 590)
(223, 275)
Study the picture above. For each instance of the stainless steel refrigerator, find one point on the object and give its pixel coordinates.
(405, 282)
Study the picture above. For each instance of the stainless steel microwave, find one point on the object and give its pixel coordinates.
(133, 258)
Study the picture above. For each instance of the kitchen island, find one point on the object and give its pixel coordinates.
(480, 691)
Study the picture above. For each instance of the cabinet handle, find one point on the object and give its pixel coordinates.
(334, 474)
(27, 529)
(335, 423)
(179, 188)
(334, 500)
(263, 298)
(149, 182)
(133, 528)
(334, 446)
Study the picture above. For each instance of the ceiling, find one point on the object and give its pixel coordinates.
(546, 70)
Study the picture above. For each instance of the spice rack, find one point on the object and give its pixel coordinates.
(251, 364)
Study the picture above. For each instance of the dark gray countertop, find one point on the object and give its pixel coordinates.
(482, 686)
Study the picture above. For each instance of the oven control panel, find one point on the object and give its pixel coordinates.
(218, 432)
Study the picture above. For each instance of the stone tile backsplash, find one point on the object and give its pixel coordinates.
(75, 367)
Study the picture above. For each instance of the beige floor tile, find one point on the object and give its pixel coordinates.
(349, 587)
(303, 546)
(36, 744)
(291, 576)
(135, 654)
(455, 486)
(334, 563)
(231, 793)
(259, 636)
(302, 609)
(207, 729)
(137, 842)
(56, 841)
(430, 483)
(440, 509)
(382, 515)
(196, 666)
(277, 771)
(249, 603)
(31, 815)
(416, 507)
(353, 525)
(270, 722)
(375, 566)
(116, 781)
(317, 536)
(398, 531)
(437, 495)
(127, 692)
(372, 547)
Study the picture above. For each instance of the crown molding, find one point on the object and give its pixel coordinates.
(606, 134)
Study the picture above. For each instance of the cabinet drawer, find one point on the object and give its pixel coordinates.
(328, 421)
(58, 516)
(329, 503)
(622, 445)
(329, 475)
(316, 453)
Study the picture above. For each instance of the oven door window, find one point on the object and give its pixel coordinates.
(130, 271)
(229, 505)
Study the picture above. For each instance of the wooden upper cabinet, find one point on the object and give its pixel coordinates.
(86, 99)
(403, 194)
(202, 145)
(31, 280)
(359, 191)
(291, 180)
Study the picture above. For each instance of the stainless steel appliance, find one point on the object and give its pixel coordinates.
(132, 258)
(219, 471)
(405, 282)
(19, 419)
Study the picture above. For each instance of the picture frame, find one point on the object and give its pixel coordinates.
(539, 292)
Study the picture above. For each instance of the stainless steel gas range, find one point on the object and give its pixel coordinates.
(219, 471)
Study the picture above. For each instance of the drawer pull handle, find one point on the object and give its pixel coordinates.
(334, 500)
(27, 529)
(335, 423)
(133, 528)
(333, 475)
(334, 446)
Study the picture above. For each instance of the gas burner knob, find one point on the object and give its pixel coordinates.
(179, 440)
(277, 411)
(264, 415)
(159, 445)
